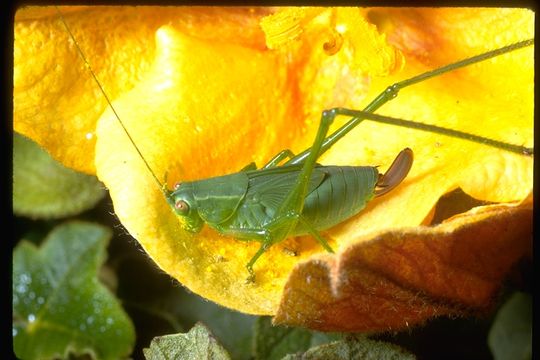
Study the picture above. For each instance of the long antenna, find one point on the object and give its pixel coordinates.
(87, 64)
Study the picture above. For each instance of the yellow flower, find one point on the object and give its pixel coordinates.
(202, 95)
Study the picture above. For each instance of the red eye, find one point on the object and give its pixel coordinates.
(177, 185)
(181, 206)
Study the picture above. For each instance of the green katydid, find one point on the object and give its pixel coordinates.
(301, 197)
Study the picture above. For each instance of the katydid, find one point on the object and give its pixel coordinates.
(292, 195)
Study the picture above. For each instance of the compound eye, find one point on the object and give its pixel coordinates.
(181, 206)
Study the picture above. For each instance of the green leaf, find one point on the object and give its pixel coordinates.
(198, 343)
(44, 188)
(191, 308)
(167, 308)
(274, 342)
(353, 348)
(510, 336)
(58, 304)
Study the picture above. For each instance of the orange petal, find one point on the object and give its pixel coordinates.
(399, 278)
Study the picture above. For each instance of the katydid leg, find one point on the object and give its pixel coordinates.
(249, 266)
(289, 213)
(280, 156)
(311, 229)
(363, 115)
(294, 202)
(283, 154)
(273, 233)
(392, 91)
(272, 238)
(250, 166)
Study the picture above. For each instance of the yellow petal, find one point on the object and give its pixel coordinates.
(488, 103)
(56, 100)
(287, 25)
(203, 110)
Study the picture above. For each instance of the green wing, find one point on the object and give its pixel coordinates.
(218, 198)
(269, 187)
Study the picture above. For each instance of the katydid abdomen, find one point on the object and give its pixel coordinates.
(343, 192)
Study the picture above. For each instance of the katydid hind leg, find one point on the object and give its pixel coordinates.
(294, 202)
(392, 91)
(289, 213)
(320, 239)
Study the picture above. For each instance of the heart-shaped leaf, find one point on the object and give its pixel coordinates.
(58, 304)
(44, 188)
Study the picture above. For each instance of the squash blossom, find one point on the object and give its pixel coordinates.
(205, 91)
